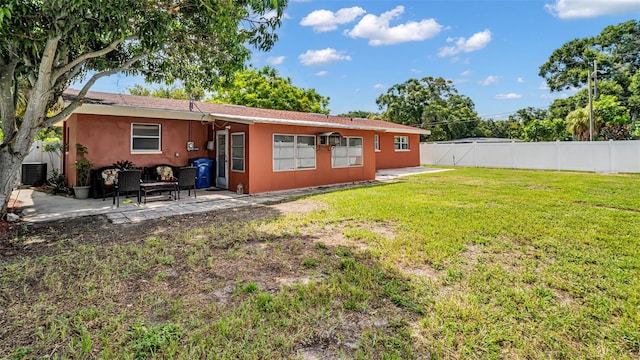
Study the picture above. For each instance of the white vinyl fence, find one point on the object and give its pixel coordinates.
(598, 156)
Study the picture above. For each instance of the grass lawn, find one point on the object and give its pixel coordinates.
(470, 263)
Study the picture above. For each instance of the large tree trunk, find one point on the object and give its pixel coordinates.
(10, 164)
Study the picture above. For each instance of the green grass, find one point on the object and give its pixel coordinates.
(471, 263)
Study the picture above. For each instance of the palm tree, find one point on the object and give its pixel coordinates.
(578, 124)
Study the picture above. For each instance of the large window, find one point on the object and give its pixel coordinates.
(145, 138)
(237, 152)
(401, 143)
(294, 152)
(348, 153)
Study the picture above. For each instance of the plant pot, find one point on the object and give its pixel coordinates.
(81, 192)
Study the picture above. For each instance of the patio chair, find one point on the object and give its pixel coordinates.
(187, 179)
(105, 178)
(128, 181)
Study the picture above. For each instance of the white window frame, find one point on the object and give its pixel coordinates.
(243, 147)
(376, 142)
(399, 144)
(146, 151)
(351, 152)
(295, 153)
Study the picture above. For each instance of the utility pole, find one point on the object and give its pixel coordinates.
(591, 96)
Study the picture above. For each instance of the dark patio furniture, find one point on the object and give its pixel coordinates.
(159, 186)
(128, 181)
(151, 173)
(103, 181)
(187, 179)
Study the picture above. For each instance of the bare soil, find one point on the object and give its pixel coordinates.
(282, 266)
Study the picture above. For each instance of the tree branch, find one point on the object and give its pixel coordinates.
(84, 57)
(77, 102)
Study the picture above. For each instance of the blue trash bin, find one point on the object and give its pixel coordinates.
(204, 166)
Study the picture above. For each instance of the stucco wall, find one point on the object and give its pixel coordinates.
(389, 158)
(262, 178)
(108, 139)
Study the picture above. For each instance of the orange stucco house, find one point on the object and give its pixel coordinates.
(262, 149)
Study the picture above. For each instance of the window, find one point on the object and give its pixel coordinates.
(306, 152)
(294, 152)
(145, 138)
(401, 143)
(237, 152)
(348, 153)
(376, 142)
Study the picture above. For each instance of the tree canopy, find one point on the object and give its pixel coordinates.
(167, 92)
(265, 89)
(431, 103)
(51, 44)
(616, 51)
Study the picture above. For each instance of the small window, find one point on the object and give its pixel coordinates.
(376, 142)
(237, 152)
(294, 152)
(348, 153)
(145, 138)
(401, 143)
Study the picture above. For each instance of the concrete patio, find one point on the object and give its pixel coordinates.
(41, 207)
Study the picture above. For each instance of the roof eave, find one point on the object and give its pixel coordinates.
(254, 120)
(132, 111)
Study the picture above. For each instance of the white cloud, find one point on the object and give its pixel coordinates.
(543, 86)
(476, 42)
(378, 86)
(325, 20)
(520, 80)
(509, 96)
(416, 71)
(322, 57)
(275, 60)
(491, 79)
(322, 73)
(579, 9)
(465, 73)
(379, 32)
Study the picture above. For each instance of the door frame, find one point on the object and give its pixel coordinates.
(222, 182)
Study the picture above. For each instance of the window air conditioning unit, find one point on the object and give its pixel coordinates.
(329, 139)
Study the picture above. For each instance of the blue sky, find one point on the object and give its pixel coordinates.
(353, 51)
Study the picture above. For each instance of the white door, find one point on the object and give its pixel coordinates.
(222, 159)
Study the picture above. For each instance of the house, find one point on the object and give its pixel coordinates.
(262, 149)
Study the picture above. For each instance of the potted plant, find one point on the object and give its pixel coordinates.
(83, 167)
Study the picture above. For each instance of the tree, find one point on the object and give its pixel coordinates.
(546, 130)
(504, 129)
(51, 44)
(617, 53)
(361, 114)
(578, 123)
(432, 103)
(265, 89)
(529, 114)
(167, 92)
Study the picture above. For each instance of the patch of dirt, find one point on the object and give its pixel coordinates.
(270, 263)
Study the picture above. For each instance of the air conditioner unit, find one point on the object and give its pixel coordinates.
(329, 139)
